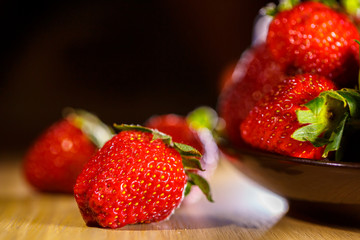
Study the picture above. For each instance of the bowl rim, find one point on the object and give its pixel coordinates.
(229, 149)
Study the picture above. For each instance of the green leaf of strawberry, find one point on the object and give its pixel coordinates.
(186, 150)
(192, 163)
(201, 182)
(326, 117)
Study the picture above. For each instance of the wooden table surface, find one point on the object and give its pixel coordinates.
(242, 210)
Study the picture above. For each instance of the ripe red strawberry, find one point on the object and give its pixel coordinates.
(314, 38)
(139, 176)
(271, 123)
(58, 155)
(254, 76)
(194, 130)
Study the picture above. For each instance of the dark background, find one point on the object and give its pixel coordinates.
(122, 60)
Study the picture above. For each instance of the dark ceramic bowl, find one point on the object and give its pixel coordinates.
(321, 188)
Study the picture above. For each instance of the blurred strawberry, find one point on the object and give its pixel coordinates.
(58, 155)
(312, 37)
(255, 74)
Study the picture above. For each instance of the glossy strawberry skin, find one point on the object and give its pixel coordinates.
(254, 76)
(54, 161)
(313, 38)
(132, 179)
(270, 124)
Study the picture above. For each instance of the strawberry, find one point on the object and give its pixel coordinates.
(139, 176)
(58, 155)
(254, 76)
(314, 38)
(271, 123)
(196, 130)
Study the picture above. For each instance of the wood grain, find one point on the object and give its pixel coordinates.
(242, 210)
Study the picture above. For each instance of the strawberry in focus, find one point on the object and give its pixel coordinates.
(272, 122)
(58, 155)
(139, 176)
(314, 38)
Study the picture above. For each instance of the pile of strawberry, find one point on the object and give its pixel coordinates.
(295, 92)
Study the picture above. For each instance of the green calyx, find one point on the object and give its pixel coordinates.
(97, 131)
(326, 118)
(195, 179)
(190, 157)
